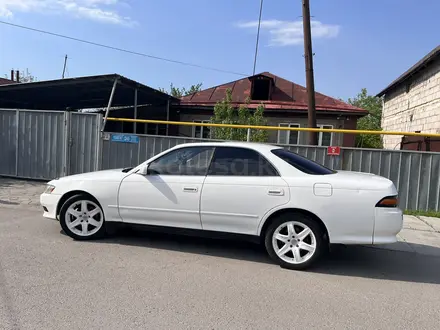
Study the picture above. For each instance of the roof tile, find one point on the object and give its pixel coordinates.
(4, 81)
(286, 95)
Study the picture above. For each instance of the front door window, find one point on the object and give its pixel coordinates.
(183, 161)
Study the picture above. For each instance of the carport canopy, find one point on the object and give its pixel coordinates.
(80, 93)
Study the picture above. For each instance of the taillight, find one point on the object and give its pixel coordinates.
(389, 201)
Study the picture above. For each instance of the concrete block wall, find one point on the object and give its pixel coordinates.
(413, 107)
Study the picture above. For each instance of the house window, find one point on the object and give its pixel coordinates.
(202, 132)
(156, 129)
(325, 138)
(288, 137)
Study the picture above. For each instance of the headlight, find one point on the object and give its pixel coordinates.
(49, 189)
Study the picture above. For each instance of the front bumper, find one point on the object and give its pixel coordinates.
(49, 202)
(388, 223)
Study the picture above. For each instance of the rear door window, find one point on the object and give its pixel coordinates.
(234, 161)
(301, 163)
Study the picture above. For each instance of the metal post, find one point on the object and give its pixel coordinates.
(110, 101)
(67, 142)
(135, 109)
(17, 140)
(308, 55)
(98, 162)
(168, 115)
(248, 135)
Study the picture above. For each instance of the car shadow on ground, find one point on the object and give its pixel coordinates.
(354, 261)
(380, 263)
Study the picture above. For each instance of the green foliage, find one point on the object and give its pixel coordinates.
(429, 213)
(257, 119)
(371, 122)
(225, 113)
(179, 92)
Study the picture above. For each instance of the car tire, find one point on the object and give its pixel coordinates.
(82, 218)
(294, 241)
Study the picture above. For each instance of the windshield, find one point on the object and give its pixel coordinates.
(301, 163)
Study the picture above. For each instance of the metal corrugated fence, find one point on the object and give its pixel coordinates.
(8, 142)
(32, 143)
(40, 144)
(84, 136)
(49, 144)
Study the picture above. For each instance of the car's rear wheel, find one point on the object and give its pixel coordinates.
(82, 218)
(294, 241)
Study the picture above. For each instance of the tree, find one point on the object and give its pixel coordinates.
(371, 122)
(179, 92)
(226, 113)
(26, 77)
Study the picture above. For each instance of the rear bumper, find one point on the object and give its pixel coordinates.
(388, 223)
(49, 202)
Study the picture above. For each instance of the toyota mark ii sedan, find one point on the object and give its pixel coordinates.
(292, 205)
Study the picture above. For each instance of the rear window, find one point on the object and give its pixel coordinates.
(301, 163)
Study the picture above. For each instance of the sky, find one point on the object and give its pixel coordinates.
(357, 43)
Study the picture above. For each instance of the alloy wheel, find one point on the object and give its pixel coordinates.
(84, 218)
(294, 242)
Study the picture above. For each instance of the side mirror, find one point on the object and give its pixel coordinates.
(143, 170)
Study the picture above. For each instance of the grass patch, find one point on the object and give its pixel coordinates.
(434, 214)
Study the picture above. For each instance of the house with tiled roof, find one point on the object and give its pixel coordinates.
(285, 105)
(4, 81)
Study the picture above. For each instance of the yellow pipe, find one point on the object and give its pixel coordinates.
(273, 128)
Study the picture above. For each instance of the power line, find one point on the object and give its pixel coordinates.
(123, 50)
(258, 37)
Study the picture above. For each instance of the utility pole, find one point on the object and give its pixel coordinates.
(65, 65)
(308, 55)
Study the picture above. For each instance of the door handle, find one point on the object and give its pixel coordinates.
(190, 189)
(276, 192)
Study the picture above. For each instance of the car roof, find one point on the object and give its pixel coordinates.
(248, 145)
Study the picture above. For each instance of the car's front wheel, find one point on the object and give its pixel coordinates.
(82, 218)
(294, 241)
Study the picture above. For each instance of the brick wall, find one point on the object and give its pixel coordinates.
(414, 106)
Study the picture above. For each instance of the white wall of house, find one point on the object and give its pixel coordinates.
(283, 137)
(413, 107)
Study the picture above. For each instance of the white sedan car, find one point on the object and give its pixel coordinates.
(293, 205)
